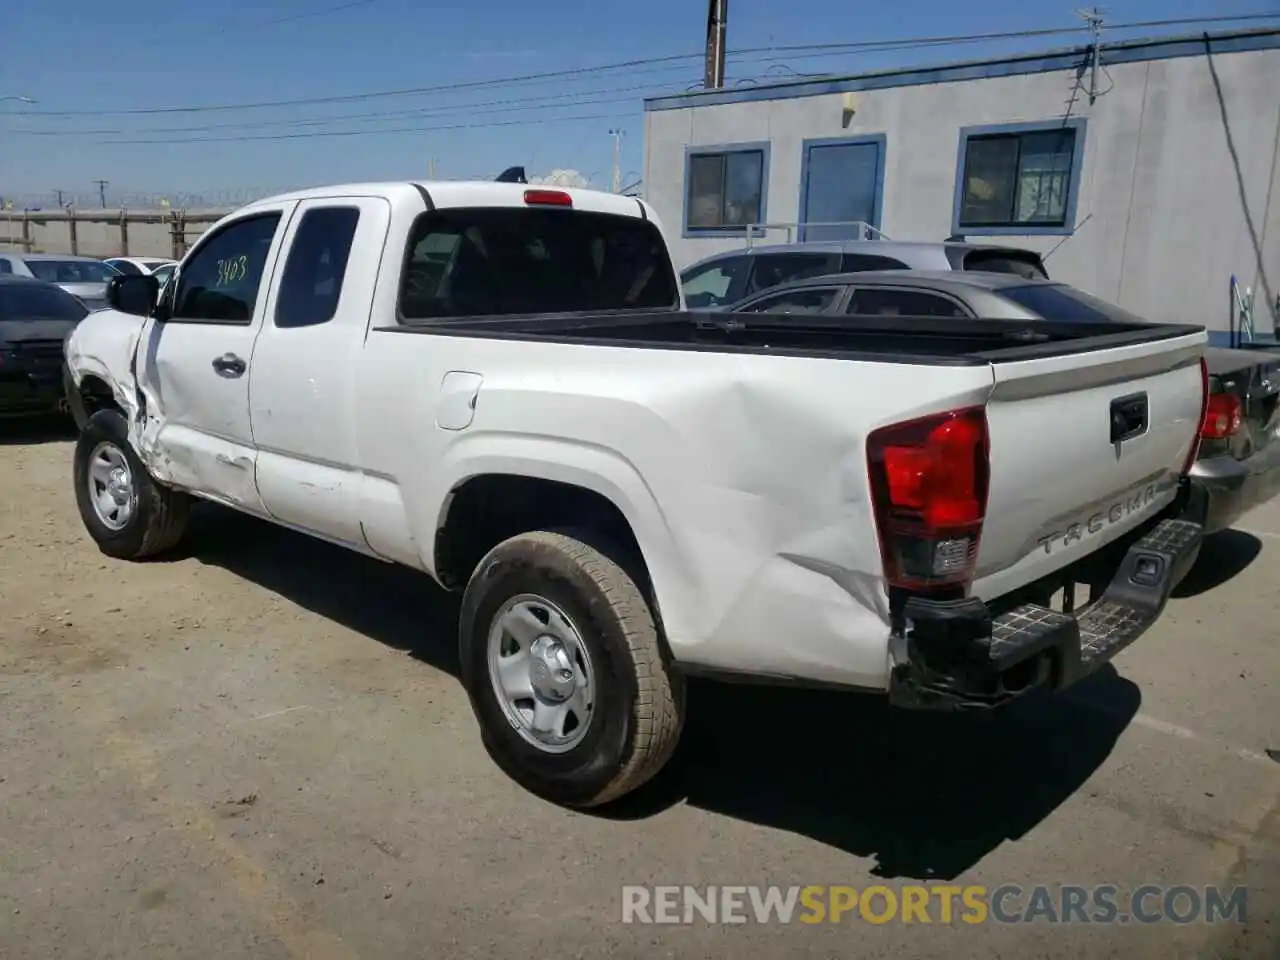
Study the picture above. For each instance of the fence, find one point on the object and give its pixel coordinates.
(105, 233)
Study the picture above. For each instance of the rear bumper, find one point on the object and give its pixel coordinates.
(956, 655)
(1233, 487)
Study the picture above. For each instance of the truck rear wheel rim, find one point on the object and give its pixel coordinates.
(111, 489)
(541, 673)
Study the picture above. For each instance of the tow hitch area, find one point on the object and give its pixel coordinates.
(954, 655)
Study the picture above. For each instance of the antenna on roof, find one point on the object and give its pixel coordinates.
(512, 175)
(1093, 20)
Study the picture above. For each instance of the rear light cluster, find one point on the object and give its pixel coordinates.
(929, 480)
(1222, 416)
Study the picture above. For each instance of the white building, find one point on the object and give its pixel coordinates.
(1153, 195)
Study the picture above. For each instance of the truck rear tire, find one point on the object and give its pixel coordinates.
(562, 662)
(129, 515)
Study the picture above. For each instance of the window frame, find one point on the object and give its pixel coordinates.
(282, 215)
(879, 140)
(406, 258)
(762, 257)
(737, 283)
(847, 267)
(1080, 127)
(852, 293)
(833, 308)
(763, 147)
(296, 229)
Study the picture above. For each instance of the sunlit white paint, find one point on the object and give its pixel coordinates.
(743, 476)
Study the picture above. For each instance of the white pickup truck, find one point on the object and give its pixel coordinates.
(498, 385)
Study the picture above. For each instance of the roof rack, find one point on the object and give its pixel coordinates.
(861, 229)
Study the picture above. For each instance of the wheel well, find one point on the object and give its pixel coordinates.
(96, 395)
(488, 509)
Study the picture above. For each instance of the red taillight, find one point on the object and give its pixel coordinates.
(1194, 452)
(929, 481)
(1222, 416)
(548, 198)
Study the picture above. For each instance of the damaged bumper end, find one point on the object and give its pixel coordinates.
(955, 655)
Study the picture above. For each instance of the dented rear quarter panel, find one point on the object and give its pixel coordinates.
(743, 476)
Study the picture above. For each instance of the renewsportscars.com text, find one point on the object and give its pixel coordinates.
(932, 904)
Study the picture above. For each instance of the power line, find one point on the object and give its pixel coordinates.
(365, 133)
(505, 104)
(645, 62)
(278, 21)
(375, 95)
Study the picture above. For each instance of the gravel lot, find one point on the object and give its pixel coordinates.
(259, 749)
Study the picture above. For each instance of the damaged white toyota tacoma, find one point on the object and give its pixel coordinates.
(498, 385)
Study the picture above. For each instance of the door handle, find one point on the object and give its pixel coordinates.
(1129, 417)
(229, 365)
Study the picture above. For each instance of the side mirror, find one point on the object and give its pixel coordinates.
(133, 294)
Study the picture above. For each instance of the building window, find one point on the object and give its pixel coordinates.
(1019, 179)
(725, 187)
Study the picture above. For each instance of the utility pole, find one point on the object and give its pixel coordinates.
(59, 193)
(717, 19)
(431, 169)
(102, 192)
(1093, 20)
(617, 159)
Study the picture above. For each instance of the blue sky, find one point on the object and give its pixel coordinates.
(86, 63)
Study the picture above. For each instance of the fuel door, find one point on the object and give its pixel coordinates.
(459, 391)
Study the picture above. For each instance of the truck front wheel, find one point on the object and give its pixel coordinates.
(561, 659)
(127, 513)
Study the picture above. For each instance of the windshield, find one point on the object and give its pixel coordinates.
(72, 271)
(1062, 303)
(494, 261)
(33, 301)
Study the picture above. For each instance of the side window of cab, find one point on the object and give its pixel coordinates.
(221, 281)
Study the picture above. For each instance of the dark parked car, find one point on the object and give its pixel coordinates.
(35, 317)
(1239, 462)
(1238, 466)
(83, 277)
(719, 280)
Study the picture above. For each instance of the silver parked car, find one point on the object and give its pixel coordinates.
(719, 280)
(83, 277)
(937, 293)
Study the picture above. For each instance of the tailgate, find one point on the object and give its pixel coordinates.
(1084, 448)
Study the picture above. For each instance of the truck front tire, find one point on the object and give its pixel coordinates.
(129, 515)
(562, 662)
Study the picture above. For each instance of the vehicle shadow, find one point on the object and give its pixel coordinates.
(1223, 556)
(28, 431)
(389, 603)
(927, 795)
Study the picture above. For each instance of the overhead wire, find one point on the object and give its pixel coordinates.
(640, 63)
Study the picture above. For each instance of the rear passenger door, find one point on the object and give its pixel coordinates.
(306, 365)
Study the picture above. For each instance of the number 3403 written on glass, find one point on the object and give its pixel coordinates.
(231, 270)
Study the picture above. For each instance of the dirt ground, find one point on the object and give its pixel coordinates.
(258, 748)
